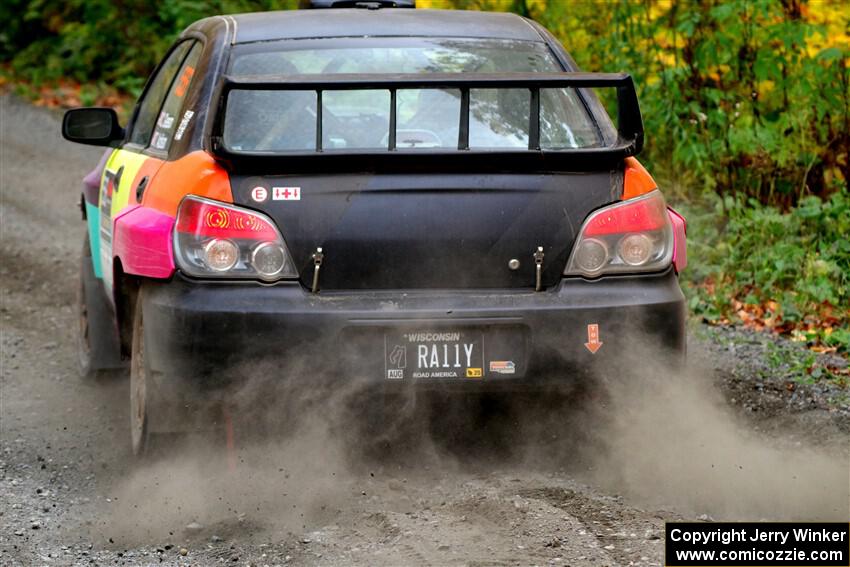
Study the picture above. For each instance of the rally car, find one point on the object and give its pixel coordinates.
(413, 198)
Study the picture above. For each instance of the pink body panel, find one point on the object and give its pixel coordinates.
(142, 240)
(680, 248)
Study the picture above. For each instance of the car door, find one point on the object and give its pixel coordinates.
(146, 144)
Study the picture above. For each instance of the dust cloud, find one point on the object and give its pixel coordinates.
(276, 487)
(302, 444)
(668, 439)
(663, 437)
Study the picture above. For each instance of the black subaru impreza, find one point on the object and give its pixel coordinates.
(406, 197)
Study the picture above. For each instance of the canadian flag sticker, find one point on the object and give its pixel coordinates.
(286, 193)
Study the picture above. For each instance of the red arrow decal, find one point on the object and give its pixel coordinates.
(593, 343)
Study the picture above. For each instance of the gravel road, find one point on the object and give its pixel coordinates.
(733, 437)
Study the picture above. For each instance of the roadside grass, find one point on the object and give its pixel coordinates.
(786, 273)
(771, 358)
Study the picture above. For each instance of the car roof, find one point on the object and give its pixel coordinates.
(303, 24)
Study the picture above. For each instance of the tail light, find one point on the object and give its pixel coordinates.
(214, 239)
(630, 236)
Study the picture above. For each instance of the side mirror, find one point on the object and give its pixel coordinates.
(94, 126)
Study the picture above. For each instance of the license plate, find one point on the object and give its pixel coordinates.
(434, 355)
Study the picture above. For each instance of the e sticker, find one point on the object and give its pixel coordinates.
(259, 194)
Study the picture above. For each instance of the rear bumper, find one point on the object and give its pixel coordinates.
(207, 335)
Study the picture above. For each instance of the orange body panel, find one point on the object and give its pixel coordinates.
(638, 181)
(196, 173)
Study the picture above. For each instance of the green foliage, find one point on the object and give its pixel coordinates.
(743, 96)
(101, 41)
(785, 271)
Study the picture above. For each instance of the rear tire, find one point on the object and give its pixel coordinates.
(98, 346)
(144, 443)
(138, 386)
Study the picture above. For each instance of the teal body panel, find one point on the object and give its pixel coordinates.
(93, 224)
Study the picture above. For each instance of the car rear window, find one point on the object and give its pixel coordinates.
(281, 121)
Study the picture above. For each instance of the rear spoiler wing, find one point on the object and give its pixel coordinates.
(629, 141)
